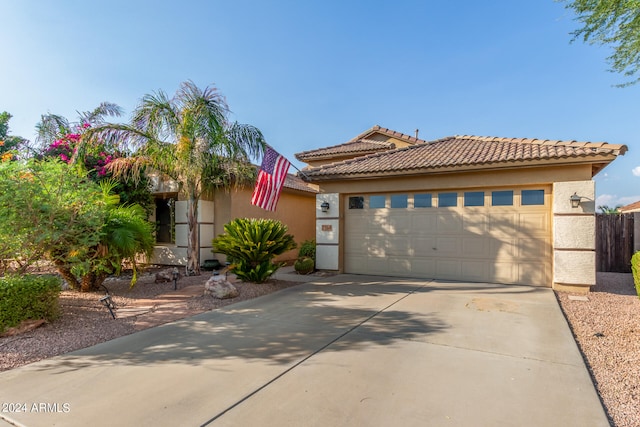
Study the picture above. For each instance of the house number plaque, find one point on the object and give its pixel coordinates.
(327, 227)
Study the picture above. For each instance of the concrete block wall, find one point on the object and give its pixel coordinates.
(574, 244)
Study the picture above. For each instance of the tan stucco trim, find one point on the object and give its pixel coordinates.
(475, 179)
(600, 160)
(572, 288)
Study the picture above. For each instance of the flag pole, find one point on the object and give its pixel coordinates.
(290, 164)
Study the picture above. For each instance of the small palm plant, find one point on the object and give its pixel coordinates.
(251, 244)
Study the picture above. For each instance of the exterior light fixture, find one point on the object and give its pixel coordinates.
(108, 302)
(325, 206)
(175, 274)
(575, 200)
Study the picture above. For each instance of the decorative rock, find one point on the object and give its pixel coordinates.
(218, 287)
(165, 276)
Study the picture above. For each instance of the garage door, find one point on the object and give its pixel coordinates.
(493, 235)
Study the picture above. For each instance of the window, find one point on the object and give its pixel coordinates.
(502, 198)
(376, 202)
(446, 200)
(474, 198)
(399, 200)
(356, 202)
(422, 200)
(532, 197)
(165, 223)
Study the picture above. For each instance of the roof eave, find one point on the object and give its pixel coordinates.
(597, 165)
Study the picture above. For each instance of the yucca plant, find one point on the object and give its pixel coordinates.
(251, 244)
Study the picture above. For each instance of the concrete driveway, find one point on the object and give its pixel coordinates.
(341, 351)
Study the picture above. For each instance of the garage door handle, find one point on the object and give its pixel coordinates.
(435, 249)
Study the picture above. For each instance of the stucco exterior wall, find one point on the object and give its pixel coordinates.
(574, 256)
(295, 209)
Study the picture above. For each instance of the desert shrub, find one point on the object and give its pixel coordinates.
(304, 265)
(308, 249)
(250, 246)
(28, 297)
(635, 269)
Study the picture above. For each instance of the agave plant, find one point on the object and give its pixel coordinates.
(251, 245)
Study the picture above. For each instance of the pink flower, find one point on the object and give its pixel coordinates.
(64, 157)
(74, 136)
(85, 125)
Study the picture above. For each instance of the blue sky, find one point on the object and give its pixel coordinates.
(314, 74)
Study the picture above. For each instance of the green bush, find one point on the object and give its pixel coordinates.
(28, 297)
(308, 249)
(304, 265)
(250, 246)
(635, 269)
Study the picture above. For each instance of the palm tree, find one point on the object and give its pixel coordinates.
(609, 211)
(53, 126)
(189, 139)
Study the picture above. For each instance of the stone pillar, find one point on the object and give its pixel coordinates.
(574, 240)
(328, 232)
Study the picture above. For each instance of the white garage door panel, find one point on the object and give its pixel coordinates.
(422, 267)
(509, 244)
(475, 222)
(531, 273)
(424, 222)
(449, 222)
(504, 272)
(476, 247)
(475, 271)
(534, 223)
(399, 246)
(533, 248)
(448, 268)
(447, 246)
(397, 266)
(502, 224)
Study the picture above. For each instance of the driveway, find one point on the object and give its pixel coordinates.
(341, 351)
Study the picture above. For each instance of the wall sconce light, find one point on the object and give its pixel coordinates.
(325, 206)
(575, 200)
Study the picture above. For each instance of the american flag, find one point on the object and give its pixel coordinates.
(273, 172)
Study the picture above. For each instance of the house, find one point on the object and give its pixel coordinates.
(470, 208)
(632, 207)
(296, 209)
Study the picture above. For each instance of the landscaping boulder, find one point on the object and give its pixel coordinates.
(220, 288)
(166, 275)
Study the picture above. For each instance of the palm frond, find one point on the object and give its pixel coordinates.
(97, 115)
(50, 127)
(156, 116)
(247, 137)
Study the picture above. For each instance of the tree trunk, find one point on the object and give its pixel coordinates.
(193, 244)
(66, 274)
(92, 281)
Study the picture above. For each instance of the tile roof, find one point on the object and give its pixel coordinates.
(294, 182)
(462, 152)
(635, 206)
(361, 144)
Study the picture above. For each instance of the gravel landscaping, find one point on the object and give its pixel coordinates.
(86, 322)
(606, 326)
(607, 330)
